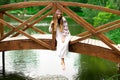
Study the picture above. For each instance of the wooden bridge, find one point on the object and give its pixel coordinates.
(82, 43)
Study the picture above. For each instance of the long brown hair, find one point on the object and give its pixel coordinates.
(58, 21)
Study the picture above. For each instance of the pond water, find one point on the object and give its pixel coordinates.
(35, 63)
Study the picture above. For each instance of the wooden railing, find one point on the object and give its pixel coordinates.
(52, 6)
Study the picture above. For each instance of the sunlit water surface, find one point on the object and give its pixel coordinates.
(34, 63)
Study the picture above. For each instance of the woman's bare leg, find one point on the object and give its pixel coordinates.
(63, 63)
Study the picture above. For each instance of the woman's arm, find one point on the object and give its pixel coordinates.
(50, 27)
(65, 30)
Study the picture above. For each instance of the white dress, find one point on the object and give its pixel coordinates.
(62, 47)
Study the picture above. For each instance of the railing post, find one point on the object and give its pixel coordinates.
(54, 28)
(1, 26)
(53, 37)
(3, 52)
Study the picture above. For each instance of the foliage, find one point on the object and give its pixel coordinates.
(3, 2)
(89, 14)
(113, 35)
(15, 1)
(103, 17)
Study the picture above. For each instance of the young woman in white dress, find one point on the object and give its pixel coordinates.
(62, 35)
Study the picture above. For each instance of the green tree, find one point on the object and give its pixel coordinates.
(117, 2)
(89, 14)
(104, 17)
(2, 2)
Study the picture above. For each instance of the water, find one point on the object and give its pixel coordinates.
(37, 63)
(34, 63)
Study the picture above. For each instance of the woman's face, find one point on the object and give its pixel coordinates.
(59, 14)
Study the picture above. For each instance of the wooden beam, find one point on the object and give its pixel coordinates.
(54, 28)
(78, 48)
(109, 28)
(33, 17)
(87, 34)
(22, 44)
(30, 25)
(80, 39)
(13, 6)
(25, 34)
(1, 26)
(13, 17)
(101, 27)
(19, 5)
(34, 39)
(96, 51)
(89, 27)
(27, 21)
(38, 20)
(96, 7)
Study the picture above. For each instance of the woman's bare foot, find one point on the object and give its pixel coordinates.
(63, 65)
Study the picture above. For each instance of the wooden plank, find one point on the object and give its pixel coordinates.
(27, 21)
(32, 24)
(1, 26)
(34, 39)
(100, 27)
(36, 29)
(54, 28)
(79, 48)
(109, 28)
(8, 25)
(88, 27)
(87, 34)
(80, 39)
(96, 7)
(13, 6)
(13, 17)
(96, 51)
(33, 17)
(29, 4)
(25, 34)
(21, 44)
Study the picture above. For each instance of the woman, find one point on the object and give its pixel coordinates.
(62, 35)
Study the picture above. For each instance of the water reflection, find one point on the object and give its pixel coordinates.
(93, 68)
(35, 63)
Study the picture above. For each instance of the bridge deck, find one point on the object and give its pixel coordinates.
(89, 46)
(49, 36)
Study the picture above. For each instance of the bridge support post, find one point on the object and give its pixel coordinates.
(3, 63)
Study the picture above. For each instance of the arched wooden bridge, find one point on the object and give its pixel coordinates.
(103, 48)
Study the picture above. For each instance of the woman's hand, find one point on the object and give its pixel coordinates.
(63, 39)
